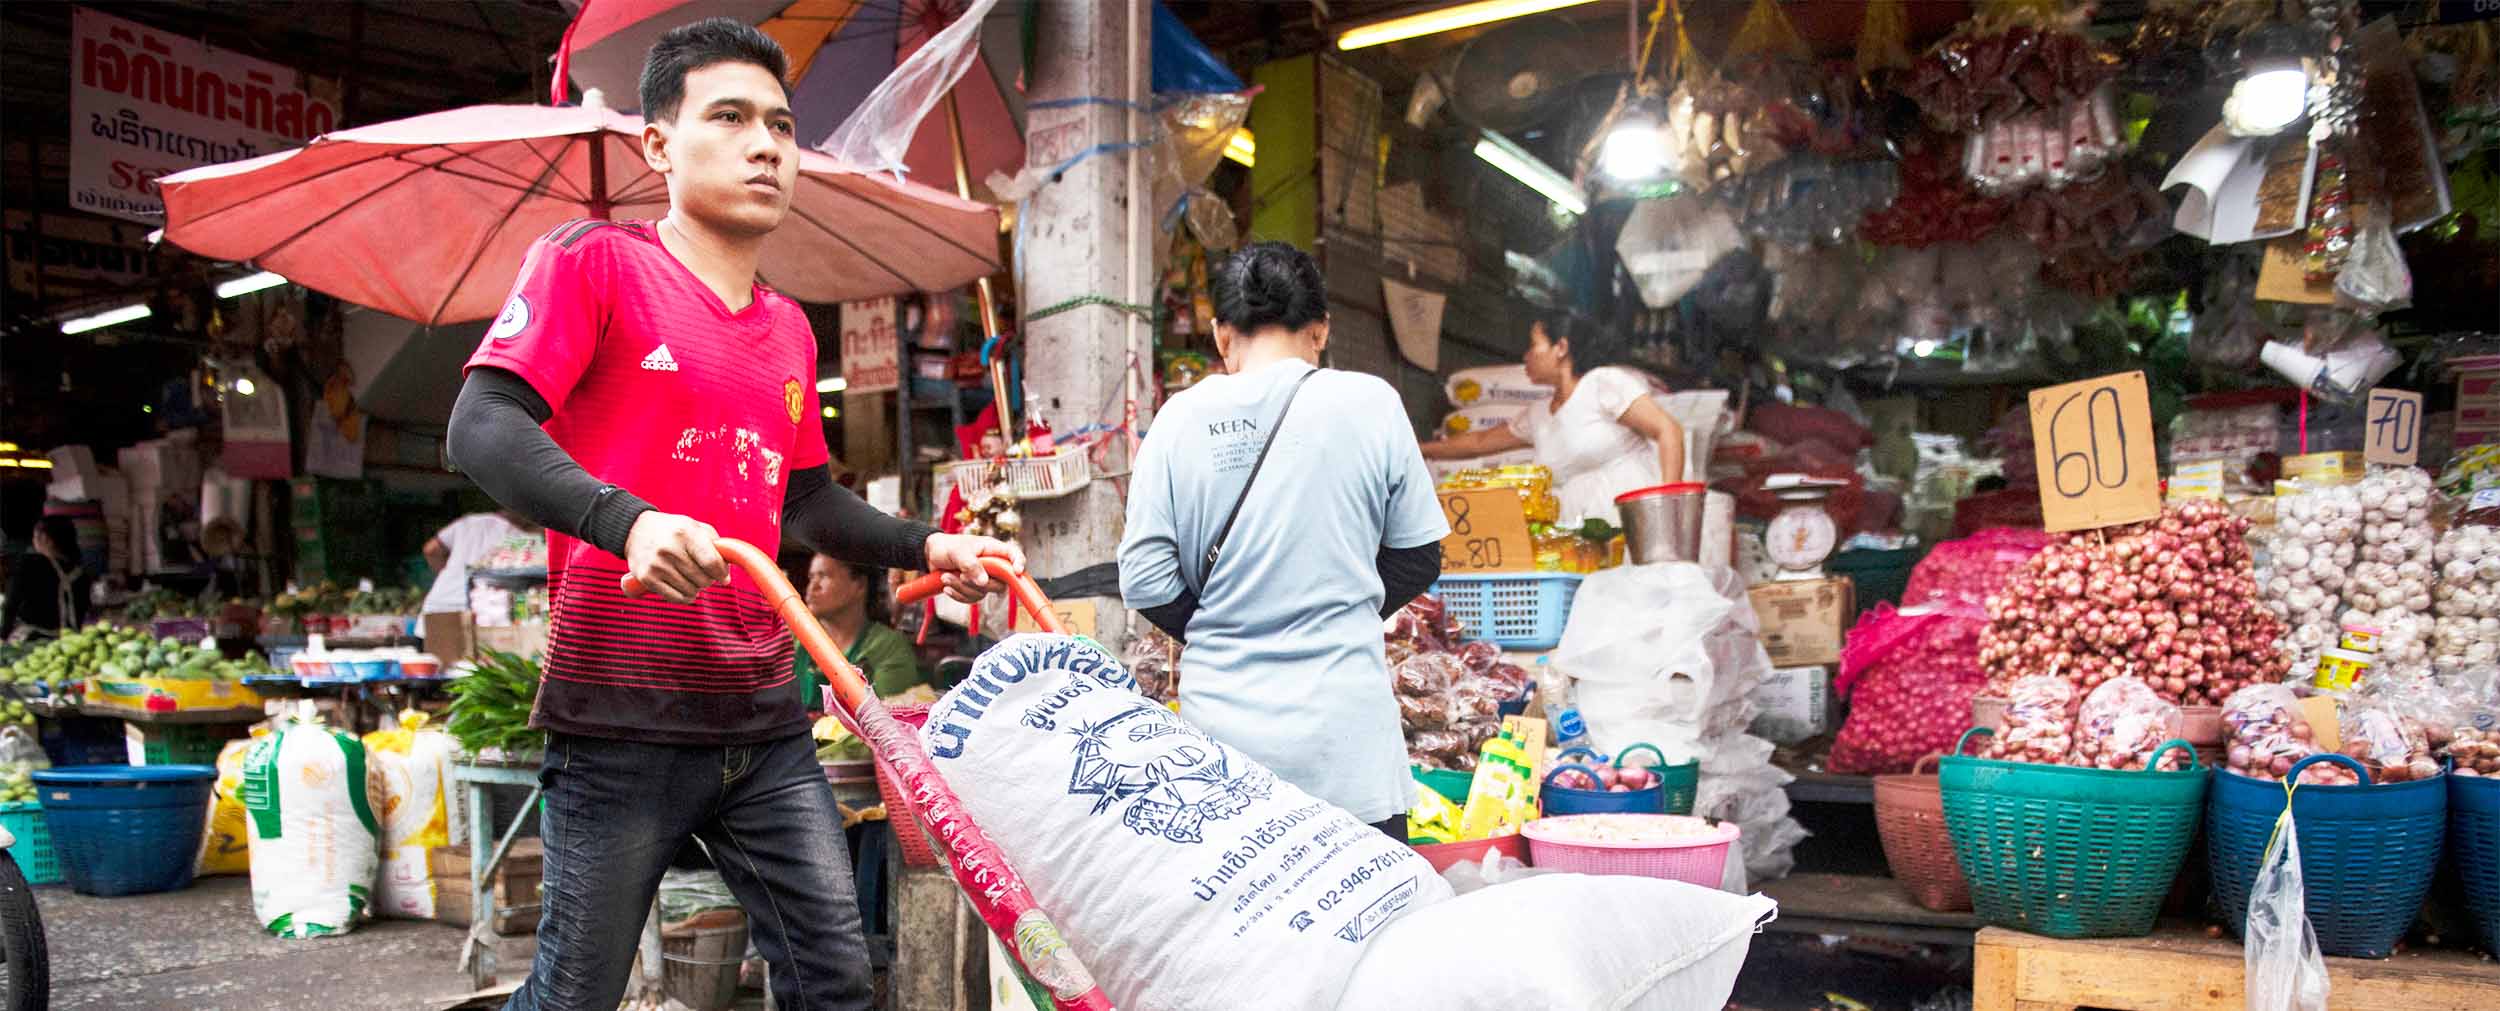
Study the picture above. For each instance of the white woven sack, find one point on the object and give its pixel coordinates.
(1184, 876)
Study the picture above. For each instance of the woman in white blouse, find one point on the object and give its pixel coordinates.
(1601, 434)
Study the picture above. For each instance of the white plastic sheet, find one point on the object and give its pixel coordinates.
(879, 131)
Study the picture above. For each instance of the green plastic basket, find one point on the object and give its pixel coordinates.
(181, 744)
(2070, 852)
(33, 850)
(1449, 783)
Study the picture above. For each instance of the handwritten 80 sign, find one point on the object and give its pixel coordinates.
(1488, 531)
(2093, 444)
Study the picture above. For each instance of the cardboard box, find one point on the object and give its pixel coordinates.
(1803, 620)
(2325, 468)
(514, 887)
(1795, 704)
(165, 695)
(2478, 389)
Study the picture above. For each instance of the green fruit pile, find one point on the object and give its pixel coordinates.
(121, 654)
(17, 782)
(490, 708)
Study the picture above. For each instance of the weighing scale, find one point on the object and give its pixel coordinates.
(1803, 535)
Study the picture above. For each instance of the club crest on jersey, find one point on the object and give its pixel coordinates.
(514, 319)
(793, 399)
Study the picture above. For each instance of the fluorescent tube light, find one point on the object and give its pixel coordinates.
(834, 384)
(248, 284)
(1446, 19)
(1242, 148)
(1536, 175)
(109, 317)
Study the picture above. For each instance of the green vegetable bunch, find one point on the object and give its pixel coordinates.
(490, 708)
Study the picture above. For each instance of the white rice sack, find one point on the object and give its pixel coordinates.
(1481, 418)
(1494, 384)
(1498, 949)
(314, 839)
(1182, 874)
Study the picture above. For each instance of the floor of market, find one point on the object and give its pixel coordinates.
(198, 949)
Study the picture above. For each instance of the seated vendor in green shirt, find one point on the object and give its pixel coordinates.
(849, 601)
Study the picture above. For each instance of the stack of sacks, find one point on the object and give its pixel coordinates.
(1669, 654)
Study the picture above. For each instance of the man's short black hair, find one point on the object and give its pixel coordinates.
(689, 48)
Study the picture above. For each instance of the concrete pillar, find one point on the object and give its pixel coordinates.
(941, 955)
(1083, 237)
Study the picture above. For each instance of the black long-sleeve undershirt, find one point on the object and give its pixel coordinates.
(495, 438)
(1405, 573)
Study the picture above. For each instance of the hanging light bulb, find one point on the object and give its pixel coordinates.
(2268, 98)
(1636, 148)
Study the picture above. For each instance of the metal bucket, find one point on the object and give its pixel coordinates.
(1663, 523)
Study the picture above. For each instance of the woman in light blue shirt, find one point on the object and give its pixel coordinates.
(1309, 482)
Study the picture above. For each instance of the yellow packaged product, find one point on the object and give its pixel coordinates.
(227, 846)
(1433, 819)
(411, 766)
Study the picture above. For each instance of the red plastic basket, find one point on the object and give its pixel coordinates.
(1909, 818)
(1700, 859)
(908, 836)
(1443, 856)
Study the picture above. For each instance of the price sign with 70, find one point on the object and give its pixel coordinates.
(2395, 427)
(2093, 443)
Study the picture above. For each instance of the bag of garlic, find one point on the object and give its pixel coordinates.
(2390, 587)
(2466, 600)
(2317, 536)
(1184, 875)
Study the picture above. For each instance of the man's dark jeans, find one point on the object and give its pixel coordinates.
(616, 814)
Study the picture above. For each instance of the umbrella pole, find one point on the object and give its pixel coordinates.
(599, 207)
(1007, 431)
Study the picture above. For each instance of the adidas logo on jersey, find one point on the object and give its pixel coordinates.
(659, 360)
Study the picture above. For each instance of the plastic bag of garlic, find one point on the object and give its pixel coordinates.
(2390, 586)
(2466, 601)
(2317, 537)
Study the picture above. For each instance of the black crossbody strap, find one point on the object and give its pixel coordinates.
(1215, 548)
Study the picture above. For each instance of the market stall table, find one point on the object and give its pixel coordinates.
(1868, 905)
(479, 778)
(2179, 968)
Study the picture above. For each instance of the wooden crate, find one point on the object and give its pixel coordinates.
(2178, 968)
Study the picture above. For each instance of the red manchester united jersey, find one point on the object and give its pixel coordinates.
(659, 388)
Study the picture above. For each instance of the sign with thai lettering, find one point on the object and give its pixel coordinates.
(145, 103)
(871, 352)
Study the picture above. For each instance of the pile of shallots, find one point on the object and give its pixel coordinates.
(2172, 601)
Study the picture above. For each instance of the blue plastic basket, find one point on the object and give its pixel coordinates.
(33, 849)
(2366, 852)
(2474, 846)
(126, 830)
(1513, 610)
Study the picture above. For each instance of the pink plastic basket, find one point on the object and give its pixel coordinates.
(1698, 859)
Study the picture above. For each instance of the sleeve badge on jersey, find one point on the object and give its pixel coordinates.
(514, 319)
(793, 399)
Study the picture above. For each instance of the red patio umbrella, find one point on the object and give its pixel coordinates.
(839, 51)
(427, 218)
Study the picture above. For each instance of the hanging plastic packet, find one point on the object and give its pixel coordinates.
(2375, 278)
(1883, 39)
(1768, 32)
(2285, 970)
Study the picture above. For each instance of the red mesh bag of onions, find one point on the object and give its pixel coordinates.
(1910, 673)
(1909, 676)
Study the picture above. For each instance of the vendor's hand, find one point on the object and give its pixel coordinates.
(673, 556)
(958, 556)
